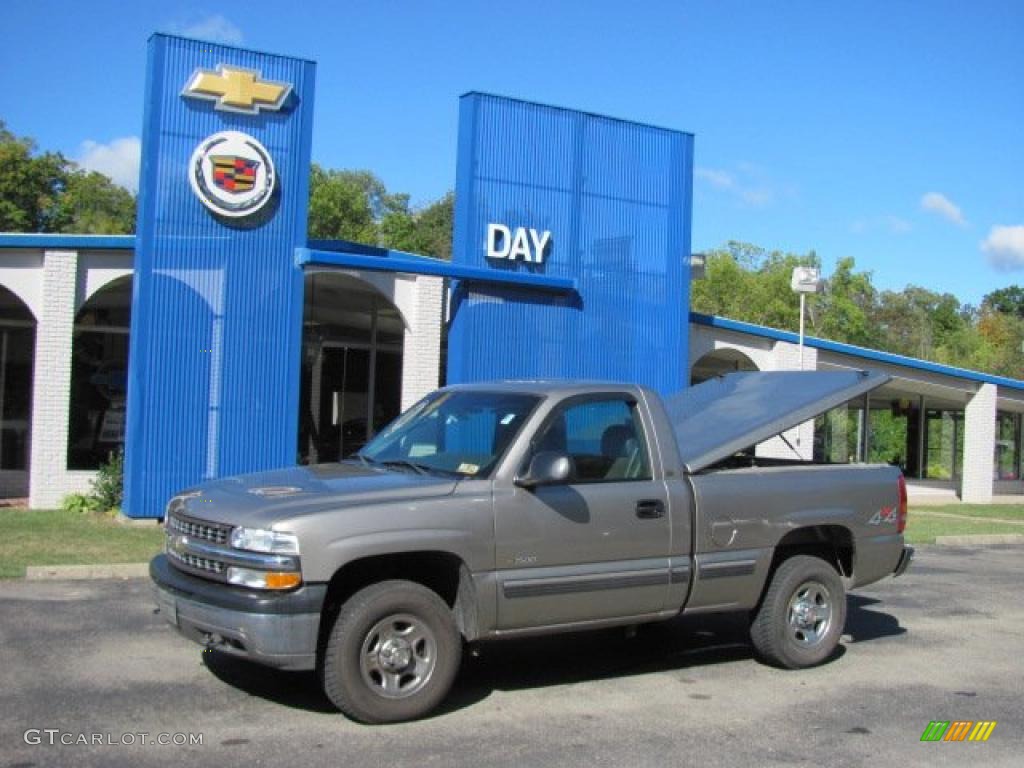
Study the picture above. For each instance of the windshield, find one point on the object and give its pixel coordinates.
(458, 433)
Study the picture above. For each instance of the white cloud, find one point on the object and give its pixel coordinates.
(215, 28)
(716, 177)
(1004, 247)
(118, 160)
(748, 185)
(936, 202)
(897, 225)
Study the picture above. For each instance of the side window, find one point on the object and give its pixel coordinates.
(604, 438)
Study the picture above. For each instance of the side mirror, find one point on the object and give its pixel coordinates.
(546, 468)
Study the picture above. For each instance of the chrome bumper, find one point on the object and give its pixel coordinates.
(904, 562)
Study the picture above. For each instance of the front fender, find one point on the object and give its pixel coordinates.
(324, 563)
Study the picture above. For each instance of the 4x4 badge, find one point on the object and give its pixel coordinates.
(884, 515)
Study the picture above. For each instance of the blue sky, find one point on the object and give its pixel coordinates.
(890, 132)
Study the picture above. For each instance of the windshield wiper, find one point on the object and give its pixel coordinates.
(420, 469)
(365, 460)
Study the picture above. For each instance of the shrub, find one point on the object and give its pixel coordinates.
(106, 490)
(78, 503)
(108, 485)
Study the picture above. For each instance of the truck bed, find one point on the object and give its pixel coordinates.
(743, 514)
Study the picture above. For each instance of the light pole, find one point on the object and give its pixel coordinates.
(805, 280)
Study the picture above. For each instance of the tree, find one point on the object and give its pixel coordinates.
(92, 203)
(356, 206)
(349, 205)
(746, 282)
(48, 193)
(427, 231)
(1009, 300)
(29, 184)
(847, 310)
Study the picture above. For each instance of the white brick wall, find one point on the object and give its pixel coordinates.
(979, 438)
(787, 358)
(421, 366)
(49, 480)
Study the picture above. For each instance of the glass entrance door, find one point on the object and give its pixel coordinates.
(351, 375)
(344, 402)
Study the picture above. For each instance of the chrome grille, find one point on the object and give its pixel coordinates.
(195, 563)
(214, 533)
(185, 535)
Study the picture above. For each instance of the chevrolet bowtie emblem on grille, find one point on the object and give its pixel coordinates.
(234, 89)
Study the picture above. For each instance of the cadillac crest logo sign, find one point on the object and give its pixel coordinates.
(232, 174)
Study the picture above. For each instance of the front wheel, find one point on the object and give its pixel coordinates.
(802, 615)
(392, 654)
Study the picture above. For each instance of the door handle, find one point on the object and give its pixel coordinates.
(650, 509)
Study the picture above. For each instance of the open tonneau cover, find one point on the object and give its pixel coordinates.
(719, 417)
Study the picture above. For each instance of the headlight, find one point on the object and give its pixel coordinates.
(259, 540)
(249, 577)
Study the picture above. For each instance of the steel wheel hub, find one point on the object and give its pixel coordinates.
(810, 613)
(394, 654)
(398, 656)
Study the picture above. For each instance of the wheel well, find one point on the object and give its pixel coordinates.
(442, 572)
(832, 543)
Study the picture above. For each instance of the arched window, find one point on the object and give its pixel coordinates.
(719, 362)
(17, 355)
(352, 344)
(99, 375)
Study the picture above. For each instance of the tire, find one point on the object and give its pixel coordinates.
(392, 654)
(802, 615)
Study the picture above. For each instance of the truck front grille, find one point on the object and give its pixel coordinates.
(187, 542)
(201, 566)
(214, 533)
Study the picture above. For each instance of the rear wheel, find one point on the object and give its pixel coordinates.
(802, 615)
(392, 654)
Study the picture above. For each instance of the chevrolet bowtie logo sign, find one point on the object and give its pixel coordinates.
(234, 89)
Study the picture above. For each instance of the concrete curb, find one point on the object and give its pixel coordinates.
(979, 539)
(79, 572)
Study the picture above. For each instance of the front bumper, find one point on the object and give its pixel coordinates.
(906, 557)
(277, 630)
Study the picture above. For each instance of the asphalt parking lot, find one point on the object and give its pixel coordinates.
(945, 642)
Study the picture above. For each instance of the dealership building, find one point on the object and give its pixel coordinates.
(220, 340)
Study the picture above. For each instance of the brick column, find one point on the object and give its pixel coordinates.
(979, 445)
(51, 386)
(787, 358)
(421, 364)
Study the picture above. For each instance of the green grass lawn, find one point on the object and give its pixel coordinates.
(922, 527)
(55, 537)
(1000, 511)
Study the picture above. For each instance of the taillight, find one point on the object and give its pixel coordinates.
(901, 521)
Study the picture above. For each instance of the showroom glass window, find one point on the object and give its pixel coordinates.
(17, 353)
(99, 376)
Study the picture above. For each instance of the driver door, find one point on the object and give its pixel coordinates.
(597, 546)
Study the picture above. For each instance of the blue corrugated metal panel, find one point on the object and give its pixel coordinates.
(216, 321)
(396, 261)
(70, 242)
(854, 351)
(615, 196)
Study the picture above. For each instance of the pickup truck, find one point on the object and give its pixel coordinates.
(497, 510)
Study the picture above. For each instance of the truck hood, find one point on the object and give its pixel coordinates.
(262, 498)
(719, 417)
